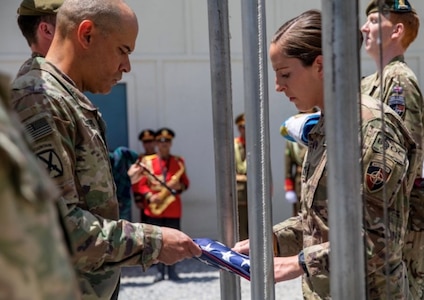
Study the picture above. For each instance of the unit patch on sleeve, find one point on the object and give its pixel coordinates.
(385, 145)
(52, 162)
(376, 177)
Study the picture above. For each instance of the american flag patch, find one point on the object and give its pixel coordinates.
(217, 255)
(38, 129)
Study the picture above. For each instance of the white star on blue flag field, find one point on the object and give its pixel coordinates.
(217, 255)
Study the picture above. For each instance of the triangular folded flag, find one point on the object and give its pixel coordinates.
(297, 127)
(217, 255)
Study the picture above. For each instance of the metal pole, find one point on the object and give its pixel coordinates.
(341, 71)
(255, 56)
(220, 64)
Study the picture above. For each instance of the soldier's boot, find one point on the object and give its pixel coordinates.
(172, 274)
(161, 273)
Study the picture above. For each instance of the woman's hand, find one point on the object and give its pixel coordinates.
(287, 268)
(242, 247)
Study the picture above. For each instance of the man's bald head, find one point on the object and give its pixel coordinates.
(107, 15)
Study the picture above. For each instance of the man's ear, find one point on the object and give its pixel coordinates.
(46, 30)
(84, 32)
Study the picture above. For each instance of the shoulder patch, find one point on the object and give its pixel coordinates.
(51, 161)
(38, 128)
(376, 176)
(390, 148)
(397, 100)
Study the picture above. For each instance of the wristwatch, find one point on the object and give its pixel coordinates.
(302, 263)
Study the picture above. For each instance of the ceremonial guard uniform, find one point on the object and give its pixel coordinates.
(147, 138)
(166, 209)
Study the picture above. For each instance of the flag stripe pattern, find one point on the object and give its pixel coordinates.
(216, 254)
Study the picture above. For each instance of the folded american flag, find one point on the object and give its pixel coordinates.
(218, 255)
(297, 127)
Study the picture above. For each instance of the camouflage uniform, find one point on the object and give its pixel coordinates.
(241, 179)
(310, 232)
(34, 259)
(293, 159)
(69, 140)
(26, 66)
(402, 94)
(28, 12)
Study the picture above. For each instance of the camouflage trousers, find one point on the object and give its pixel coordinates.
(414, 244)
(243, 219)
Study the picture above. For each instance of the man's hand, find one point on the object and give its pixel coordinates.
(241, 177)
(135, 172)
(176, 186)
(155, 199)
(242, 247)
(176, 246)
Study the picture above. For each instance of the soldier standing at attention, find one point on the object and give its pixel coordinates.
(241, 177)
(34, 257)
(147, 139)
(302, 242)
(37, 22)
(399, 26)
(293, 158)
(89, 52)
(163, 208)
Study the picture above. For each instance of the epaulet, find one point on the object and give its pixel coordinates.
(150, 157)
(371, 108)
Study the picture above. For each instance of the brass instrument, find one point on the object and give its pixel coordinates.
(165, 194)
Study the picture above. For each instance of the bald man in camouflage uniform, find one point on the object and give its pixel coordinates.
(401, 92)
(34, 258)
(37, 22)
(68, 137)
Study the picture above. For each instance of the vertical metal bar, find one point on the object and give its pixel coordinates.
(220, 64)
(255, 57)
(342, 73)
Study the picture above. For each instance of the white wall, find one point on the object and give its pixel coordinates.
(169, 85)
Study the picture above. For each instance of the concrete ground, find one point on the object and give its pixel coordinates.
(198, 281)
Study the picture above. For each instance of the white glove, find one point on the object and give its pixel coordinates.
(291, 197)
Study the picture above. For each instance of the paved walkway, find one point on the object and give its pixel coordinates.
(198, 282)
